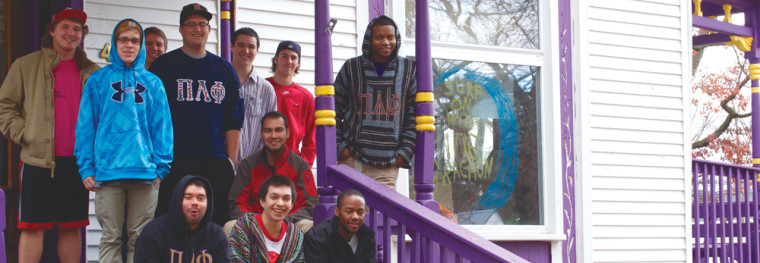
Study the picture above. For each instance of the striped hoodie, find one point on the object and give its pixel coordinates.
(375, 114)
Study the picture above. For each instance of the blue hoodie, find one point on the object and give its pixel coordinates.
(124, 128)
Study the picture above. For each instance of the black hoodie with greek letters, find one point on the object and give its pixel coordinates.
(168, 238)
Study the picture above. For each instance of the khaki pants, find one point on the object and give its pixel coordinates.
(384, 175)
(303, 224)
(140, 200)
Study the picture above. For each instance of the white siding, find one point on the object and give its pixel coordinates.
(635, 93)
(280, 20)
(102, 16)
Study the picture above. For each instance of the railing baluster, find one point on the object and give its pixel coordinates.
(732, 172)
(416, 247)
(755, 242)
(739, 216)
(401, 243)
(721, 216)
(746, 221)
(705, 249)
(444, 255)
(713, 210)
(457, 258)
(387, 238)
(696, 171)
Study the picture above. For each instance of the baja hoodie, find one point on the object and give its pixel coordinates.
(205, 103)
(297, 103)
(248, 242)
(323, 243)
(375, 114)
(124, 128)
(251, 173)
(168, 238)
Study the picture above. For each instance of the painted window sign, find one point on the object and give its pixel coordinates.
(473, 22)
(487, 165)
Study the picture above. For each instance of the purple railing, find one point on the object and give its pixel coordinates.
(724, 212)
(433, 237)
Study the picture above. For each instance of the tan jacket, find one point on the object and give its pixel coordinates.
(26, 103)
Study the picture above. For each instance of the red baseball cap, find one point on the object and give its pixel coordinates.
(69, 13)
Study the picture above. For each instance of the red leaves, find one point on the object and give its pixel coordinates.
(722, 96)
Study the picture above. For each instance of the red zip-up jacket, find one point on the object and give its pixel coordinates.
(252, 171)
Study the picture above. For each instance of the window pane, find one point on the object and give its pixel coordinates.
(487, 158)
(502, 23)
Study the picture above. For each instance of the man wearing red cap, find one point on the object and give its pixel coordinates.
(39, 103)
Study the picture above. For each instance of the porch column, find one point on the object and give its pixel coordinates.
(423, 158)
(754, 76)
(224, 27)
(751, 19)
(324, 106)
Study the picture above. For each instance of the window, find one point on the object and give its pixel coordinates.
(492, 87)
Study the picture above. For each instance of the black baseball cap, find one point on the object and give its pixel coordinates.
(193, 9)
(287, 44)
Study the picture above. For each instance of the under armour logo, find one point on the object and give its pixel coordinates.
(119, 95)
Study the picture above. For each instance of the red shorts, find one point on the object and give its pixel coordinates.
(60, 200)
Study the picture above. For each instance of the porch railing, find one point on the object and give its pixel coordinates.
(724, 212)
(433, 237)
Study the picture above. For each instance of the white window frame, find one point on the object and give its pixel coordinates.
(546, 57)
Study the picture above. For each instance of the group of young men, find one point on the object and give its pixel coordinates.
(220, 149)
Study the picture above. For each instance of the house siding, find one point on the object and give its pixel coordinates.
(280, 20)
(636, 83)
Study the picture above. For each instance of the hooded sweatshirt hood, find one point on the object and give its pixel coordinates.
(367, 43)
(176, 215)
(113, 56)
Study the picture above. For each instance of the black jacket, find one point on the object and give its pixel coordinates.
(323, 243)
(168, 238)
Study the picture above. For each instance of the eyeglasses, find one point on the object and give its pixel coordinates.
(124, 40)
(193, 24)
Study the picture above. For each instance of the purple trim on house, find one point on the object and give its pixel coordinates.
(423, 160)
(710, 9)
(736, 3)
(566, 117)
(709, 39)
(533, 251)
(752, 19)
(755, 117)
(326, 142)
(324, 103)
(376, 8)
(424, 109)
(225, 31)
(720, 26)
